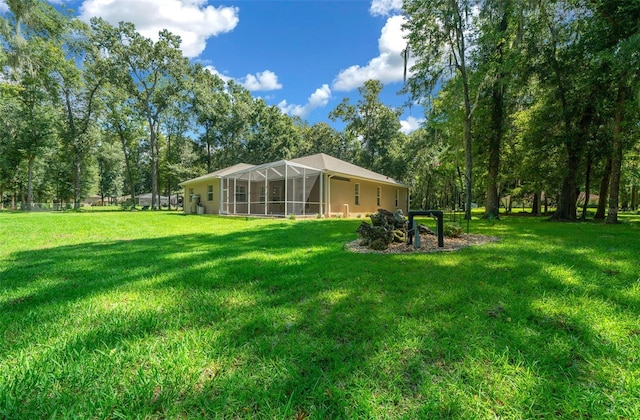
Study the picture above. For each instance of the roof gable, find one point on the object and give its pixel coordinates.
(319, 161)
(331, 164)
(219, 173)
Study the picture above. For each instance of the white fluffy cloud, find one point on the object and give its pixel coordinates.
(193, 20)
(3, 7)
(411, 124)
(386, 67)
(317, 99)
(385, 7)
(215, 71)
(261, 81)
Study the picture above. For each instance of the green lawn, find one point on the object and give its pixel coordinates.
(159, 315)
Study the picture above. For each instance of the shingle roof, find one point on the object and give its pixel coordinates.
(220, 173)
(330, 164)
(320, 161)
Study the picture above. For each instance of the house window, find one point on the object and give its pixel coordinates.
(263, 194)
(378, 195)
(241, 193)
(190, 194)
(357, 194)
(397, 197)
(209, 192)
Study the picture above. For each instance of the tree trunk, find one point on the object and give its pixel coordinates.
(154, 159)
(492, 206)
(604, 192)
(634, 197)
(587, 189)
(468, 153)
(535, 207)
(32, 159)
(127, 164)
(616, 159)
(77, 183)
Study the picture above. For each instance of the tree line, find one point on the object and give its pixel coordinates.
(524, 100)
(534, 96)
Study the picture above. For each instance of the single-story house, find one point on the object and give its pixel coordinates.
(308, 186)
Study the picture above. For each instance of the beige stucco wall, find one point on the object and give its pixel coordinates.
(200, 188)
(342, 193)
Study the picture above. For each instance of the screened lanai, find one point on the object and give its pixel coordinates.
(280, 188)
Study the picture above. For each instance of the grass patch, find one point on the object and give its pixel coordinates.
(154, 314)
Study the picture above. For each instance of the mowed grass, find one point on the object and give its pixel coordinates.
(158, 315)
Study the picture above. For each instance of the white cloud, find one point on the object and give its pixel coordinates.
(3, 7)
(411, 124)
(317, 99)
(385, 7)
(266, 80)
(261, 81)
(215, 71)
(193, 20)
(387, 67)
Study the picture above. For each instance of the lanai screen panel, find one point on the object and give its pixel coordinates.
(280, 189)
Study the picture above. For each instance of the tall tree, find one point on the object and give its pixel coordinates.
(322, 138)
(374, 124)
(210, 104)
(438, 38)
(272, 135)
(614, 34)
(122, 122)
(233, 131)
(29, 34)
(494, 53)
(153, 73)
(80, 81)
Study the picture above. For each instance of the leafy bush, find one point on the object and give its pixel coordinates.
(452, 230)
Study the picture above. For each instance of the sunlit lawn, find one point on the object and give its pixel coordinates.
(142, 314)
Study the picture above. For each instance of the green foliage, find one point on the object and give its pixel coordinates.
(141, 314)
(377, 128)
(452, 230)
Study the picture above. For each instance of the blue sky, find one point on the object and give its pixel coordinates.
(302, 55)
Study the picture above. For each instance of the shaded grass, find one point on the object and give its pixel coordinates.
(159, 315)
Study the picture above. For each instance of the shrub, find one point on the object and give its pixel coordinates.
(452, 230)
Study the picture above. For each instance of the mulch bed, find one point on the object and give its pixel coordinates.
(428, 243)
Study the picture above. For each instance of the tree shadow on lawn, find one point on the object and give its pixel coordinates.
(284, 321)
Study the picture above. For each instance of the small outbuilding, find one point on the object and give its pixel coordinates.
(308, 186)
